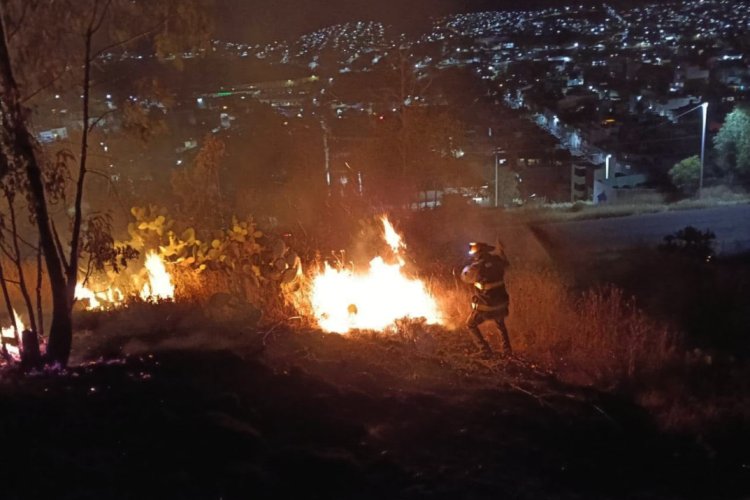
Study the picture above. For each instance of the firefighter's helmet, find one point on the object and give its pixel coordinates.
(478, 247)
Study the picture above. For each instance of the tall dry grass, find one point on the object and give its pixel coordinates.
(596, 337)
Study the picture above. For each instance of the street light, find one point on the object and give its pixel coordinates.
(606, 168)
(498, 161)
(703, 141)
(497, 192)
(703, 149)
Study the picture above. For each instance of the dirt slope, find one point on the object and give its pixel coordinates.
(287, 414)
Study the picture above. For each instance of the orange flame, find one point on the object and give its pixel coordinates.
(106, 299)
(343, 300)
(14, 336)
(159, 286)
(391, 236)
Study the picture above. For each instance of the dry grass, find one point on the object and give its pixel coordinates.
(598, 337)
(601, 338)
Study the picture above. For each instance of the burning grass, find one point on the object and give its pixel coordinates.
(344, 299)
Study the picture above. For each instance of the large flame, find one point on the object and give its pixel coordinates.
(159, 286)
(343, 300)
(12, 336)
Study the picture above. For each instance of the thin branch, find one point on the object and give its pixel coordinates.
(127, 41)
(8, 305)
(27, 243)
(101, 19)
(99, 173)
(112, 187)
(7, 252)
(98, 120)
(43, 87)
(19, 23)
(39, 307)
(59, 246)
(21, 278)
(94, 15)
(89, 269)
(82, 161)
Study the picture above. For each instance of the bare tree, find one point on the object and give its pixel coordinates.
(46, 45)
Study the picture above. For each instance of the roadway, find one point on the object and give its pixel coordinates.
(731, 224)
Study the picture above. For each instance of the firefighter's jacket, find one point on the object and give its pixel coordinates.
(486, 274)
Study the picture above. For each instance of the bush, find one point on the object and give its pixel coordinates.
(685, 175)
(691, 243)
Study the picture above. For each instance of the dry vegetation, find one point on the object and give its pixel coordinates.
(596, 338)
(280, 406)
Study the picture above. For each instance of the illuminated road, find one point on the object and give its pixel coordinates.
(579, 238)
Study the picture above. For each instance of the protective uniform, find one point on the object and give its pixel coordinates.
(486, 274)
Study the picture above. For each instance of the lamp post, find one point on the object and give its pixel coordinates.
(606, 168)
(497, 192)
(703, 149)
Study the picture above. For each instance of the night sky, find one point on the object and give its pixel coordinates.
(265, 20)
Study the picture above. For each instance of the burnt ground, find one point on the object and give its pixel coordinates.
(285, 413)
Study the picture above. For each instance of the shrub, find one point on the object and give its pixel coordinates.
(691, 243)
(597, 337)
(239, 258)
(685, 175)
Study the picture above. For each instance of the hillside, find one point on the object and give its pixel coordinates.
(228, 413)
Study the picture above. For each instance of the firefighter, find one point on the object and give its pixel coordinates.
(486, 274)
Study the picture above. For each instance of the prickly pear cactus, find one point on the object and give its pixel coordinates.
(240, 251)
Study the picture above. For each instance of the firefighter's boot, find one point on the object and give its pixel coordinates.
(485, 347)
(507, 350)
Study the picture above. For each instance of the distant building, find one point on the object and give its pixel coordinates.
(53, 135)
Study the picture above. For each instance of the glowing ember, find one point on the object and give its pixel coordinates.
(12, 336)
(343, 300)
(159, 286)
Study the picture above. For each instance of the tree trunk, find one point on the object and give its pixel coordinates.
(75, 239)
(17, 146)
(9, 307)
(19, 267)
(39, 308)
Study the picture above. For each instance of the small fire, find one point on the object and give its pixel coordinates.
(343, 300)
(12, 336)
(392, 237)
(159, 286)
(111, 297)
